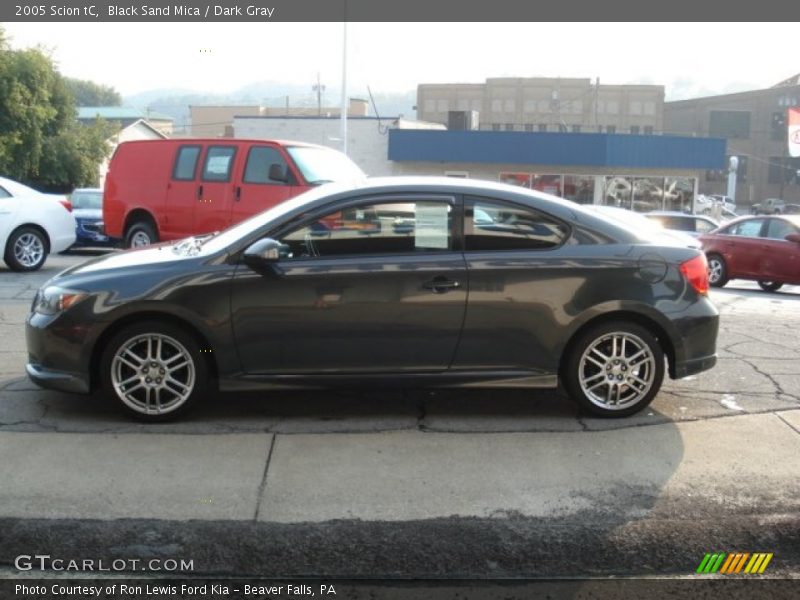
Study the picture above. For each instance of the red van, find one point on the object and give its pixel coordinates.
(160, 190)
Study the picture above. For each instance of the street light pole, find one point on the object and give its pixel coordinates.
(344, 83)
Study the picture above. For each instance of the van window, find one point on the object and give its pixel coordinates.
(186, 163)
(259, 160)
(219, 162)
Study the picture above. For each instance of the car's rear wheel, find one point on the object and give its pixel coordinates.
(717, 271)
(614, 369)
(26, 249)
(154, 370)
(770, 286)
(141, 234)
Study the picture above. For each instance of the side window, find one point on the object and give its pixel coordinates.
(397, 227)
(4, 193)
(494, 225)
(751, 228)
(778, 229)
(186, 163)
(259, 161)
(219, 162)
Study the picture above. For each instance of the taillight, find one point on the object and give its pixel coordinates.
(66, 204)
(695, 270)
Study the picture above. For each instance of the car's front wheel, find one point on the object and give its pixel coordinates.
(770, 286)
(26, 249)
(614, 369)
(154, 370)
(717, 271)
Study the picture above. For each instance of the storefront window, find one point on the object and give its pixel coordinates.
(520, 179)
(549, 184)
(648, 193)
(617, 192)
(579, 188)
(679, 193)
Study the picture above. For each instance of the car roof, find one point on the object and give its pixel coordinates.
(794, 219)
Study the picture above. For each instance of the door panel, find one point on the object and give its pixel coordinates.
(368, 288)
(780, 258)
(255, 190)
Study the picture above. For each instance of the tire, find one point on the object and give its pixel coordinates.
(717, 271)
(770, 286)
(26, 249)
(150, 381)
(609, 378)
(140, 234)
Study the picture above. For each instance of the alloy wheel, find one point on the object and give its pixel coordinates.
(616, 370)
(29, 250)
(153, 374)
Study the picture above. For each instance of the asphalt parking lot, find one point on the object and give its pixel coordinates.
(478, 483)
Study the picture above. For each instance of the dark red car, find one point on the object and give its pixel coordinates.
(765, 249)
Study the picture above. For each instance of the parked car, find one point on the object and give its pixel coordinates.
(641, 222)
(31, 227)
(160, 190)
(87, 208)
(726, 201)
(707, 204)
(694, 225)
(14, 189)
(791, 209)
(770, 206)
(765, 249)
(304, 295)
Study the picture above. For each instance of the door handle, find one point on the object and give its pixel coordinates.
(238, 194)
(440, 285)
(199, 192)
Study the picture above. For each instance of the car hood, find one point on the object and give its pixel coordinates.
(139, 257)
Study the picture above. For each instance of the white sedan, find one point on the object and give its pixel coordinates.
(32, 225)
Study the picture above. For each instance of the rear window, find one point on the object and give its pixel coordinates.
(92, 200)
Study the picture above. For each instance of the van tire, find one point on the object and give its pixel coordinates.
(140, 234)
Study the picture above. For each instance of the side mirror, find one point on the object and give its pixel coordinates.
(793, 237)
(264, 255)
(278, 173)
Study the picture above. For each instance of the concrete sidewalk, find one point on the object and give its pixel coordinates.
(686, 470)
(646, 500)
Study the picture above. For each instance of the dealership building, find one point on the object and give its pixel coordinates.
(642, 172)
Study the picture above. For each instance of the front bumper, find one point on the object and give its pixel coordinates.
(57, 380)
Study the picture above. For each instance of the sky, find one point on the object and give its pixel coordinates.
(689, 59)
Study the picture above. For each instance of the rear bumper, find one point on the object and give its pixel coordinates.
(695, 365)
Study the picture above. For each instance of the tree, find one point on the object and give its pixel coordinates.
(89, 93)
(41, 142)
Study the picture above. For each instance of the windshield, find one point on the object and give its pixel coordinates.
(92, 200)
(321, 165)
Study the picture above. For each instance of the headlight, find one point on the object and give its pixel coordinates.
(53, 299)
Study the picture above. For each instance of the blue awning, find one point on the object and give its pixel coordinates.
(565, 149)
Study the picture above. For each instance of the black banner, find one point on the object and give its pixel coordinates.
(407, 10)
(300, 589)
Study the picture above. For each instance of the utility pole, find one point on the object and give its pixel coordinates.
(319, 88)
(344, 83)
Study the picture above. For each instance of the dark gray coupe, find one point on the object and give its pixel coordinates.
(400, 281)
